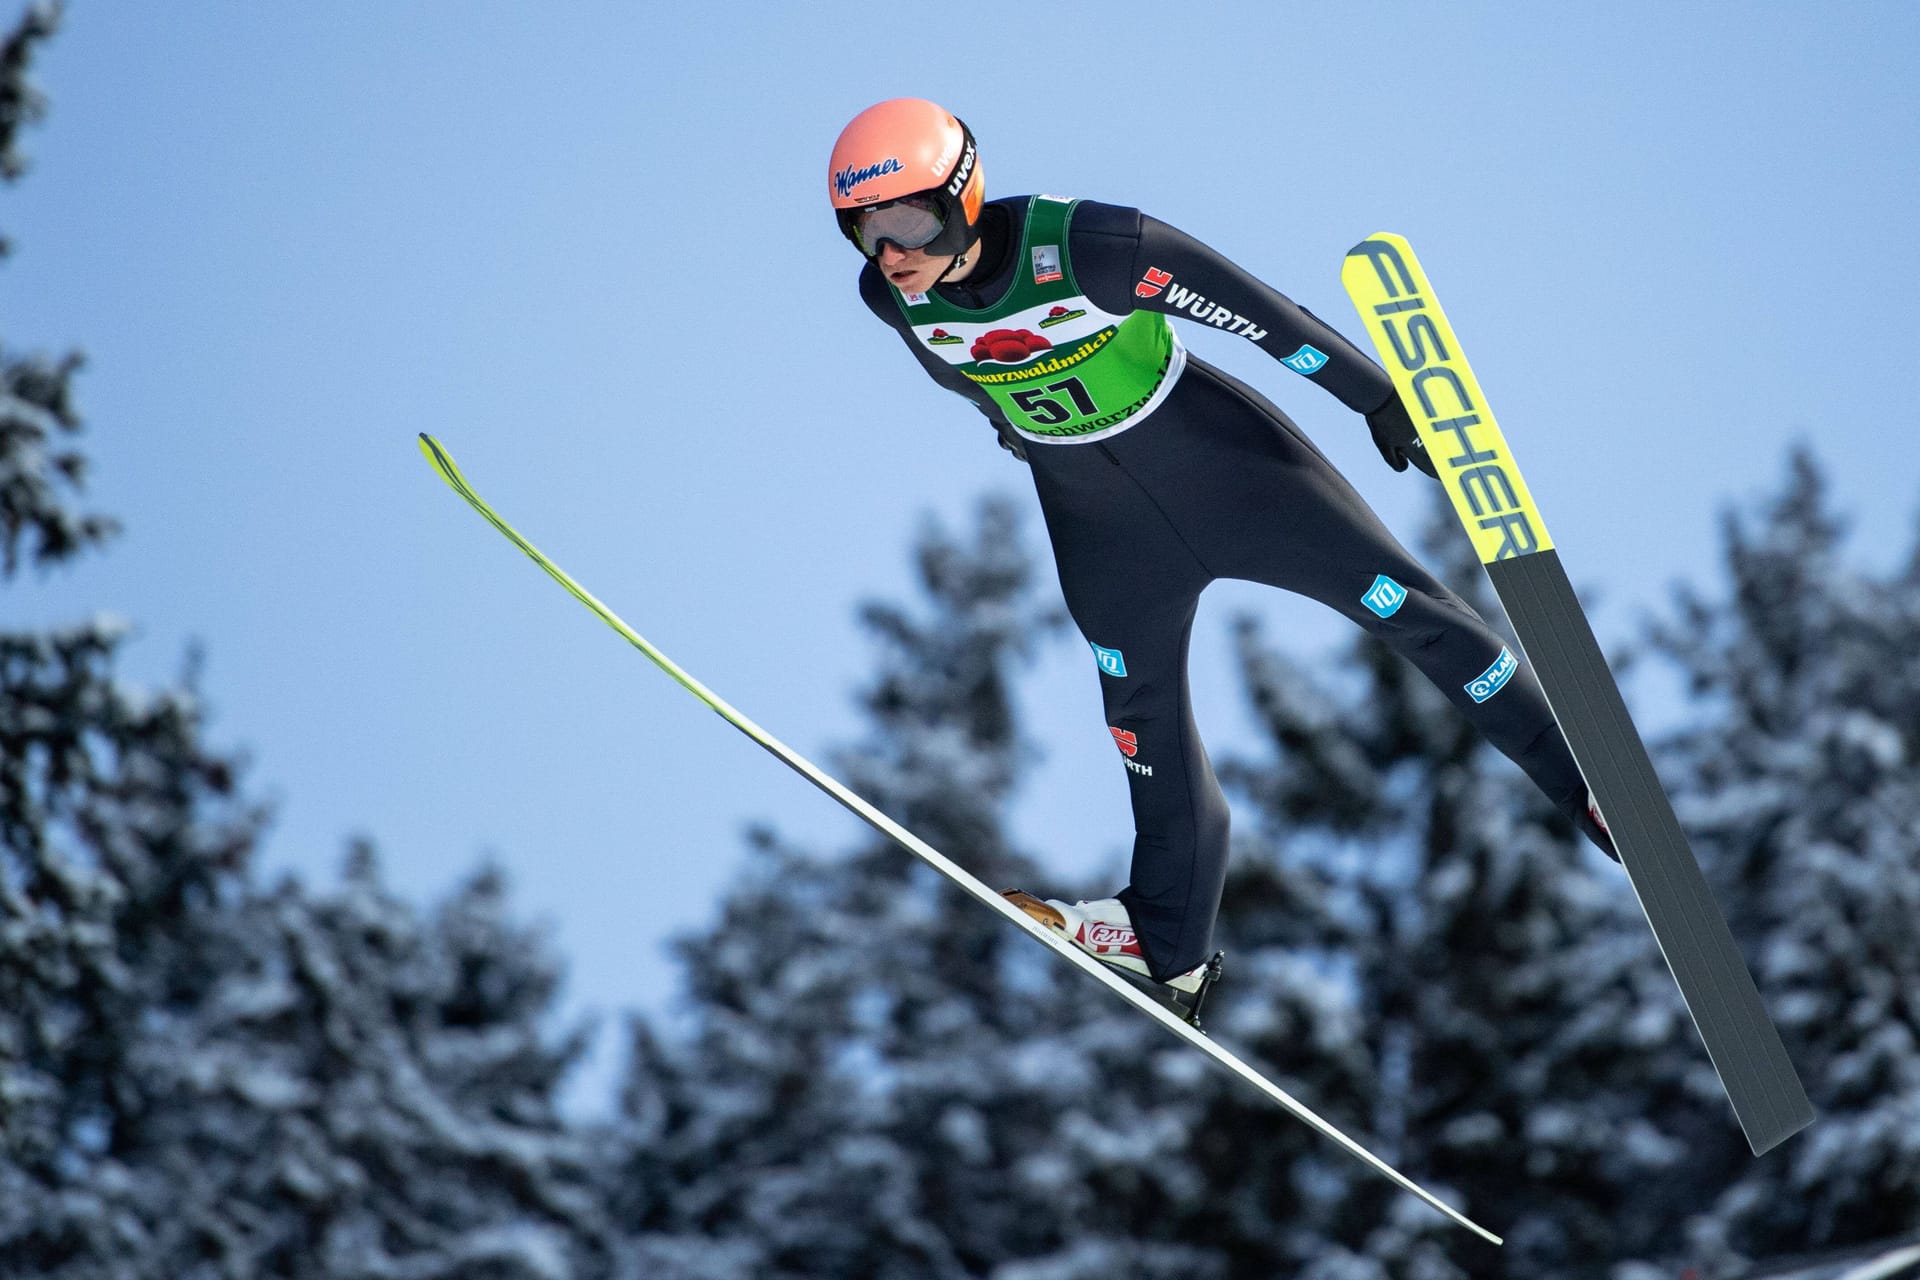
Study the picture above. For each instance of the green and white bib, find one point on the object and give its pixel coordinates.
(1061, 369)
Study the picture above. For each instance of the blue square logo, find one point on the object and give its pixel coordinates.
(1112, 662)
(1306, 360)
(1385, 596)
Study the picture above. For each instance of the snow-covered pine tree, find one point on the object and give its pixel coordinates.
(120, 832)
(368, 1090)
(198, 1079)
(1798, 780)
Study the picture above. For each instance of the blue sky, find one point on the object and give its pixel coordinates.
(588, 247)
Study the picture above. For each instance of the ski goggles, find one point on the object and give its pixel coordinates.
(911, 222)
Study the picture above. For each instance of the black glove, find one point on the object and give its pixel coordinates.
(1011, 442)
(1394, 436)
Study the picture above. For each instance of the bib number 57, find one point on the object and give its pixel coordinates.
(1050, 412)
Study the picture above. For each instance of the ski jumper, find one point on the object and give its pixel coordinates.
(1158, 474)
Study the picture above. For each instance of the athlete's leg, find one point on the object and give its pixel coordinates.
(1261, 503)
(1132, 585)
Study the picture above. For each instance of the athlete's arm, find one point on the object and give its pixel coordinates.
(1125, 261)
(878, 296)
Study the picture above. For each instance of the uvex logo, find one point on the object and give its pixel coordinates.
(961, 174)
(1152, 283)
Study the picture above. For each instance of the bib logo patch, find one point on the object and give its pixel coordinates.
(1060, 315)
(941, 338)
(1046, 263)
(1306, 360)
(915, 299)
(1009, 346)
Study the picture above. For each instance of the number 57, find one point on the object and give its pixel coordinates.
(1047, 411)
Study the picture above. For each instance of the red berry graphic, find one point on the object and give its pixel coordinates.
(1037, 343)
(940, 333)
(1009, 350)
(1058, 311)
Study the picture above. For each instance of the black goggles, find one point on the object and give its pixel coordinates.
(911, 222)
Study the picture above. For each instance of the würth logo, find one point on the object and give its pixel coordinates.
(1129, 745)
(1154, 281)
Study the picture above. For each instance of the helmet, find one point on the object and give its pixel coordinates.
(907, 147)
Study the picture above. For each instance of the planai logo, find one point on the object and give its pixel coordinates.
(1306, 360)
(1112, 661)
(1494, 678)
(1385, 596)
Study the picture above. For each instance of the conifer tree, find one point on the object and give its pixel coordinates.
(1798, 781)
(199, 1078)
(120, 833)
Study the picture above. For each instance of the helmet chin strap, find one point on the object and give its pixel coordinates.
(959, 260)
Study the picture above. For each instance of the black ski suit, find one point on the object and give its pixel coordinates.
(1216, 482)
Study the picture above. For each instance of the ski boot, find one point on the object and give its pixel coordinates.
(1103, 929)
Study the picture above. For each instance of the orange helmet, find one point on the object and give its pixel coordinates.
(913, 157)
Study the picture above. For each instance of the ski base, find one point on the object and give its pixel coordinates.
(1744, 1046)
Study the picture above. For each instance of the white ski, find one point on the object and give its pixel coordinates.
(987, 897)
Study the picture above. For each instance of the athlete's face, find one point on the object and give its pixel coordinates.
(910, 270)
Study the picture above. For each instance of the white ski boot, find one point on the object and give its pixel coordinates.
(1102, 928)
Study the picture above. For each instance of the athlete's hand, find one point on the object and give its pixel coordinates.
(1396, 439)
(1011, 442)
